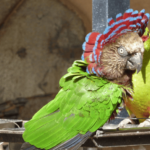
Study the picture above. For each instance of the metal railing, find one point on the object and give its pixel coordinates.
(107, 136)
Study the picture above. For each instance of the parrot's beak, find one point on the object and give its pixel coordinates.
(135, 62)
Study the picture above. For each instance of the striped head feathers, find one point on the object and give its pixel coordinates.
(119, 48)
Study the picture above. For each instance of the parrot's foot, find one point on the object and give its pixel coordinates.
(99, 133)
(124, 122)
(145, 123)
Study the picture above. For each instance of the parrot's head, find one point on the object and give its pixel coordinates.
(123, 56)
(118, 52)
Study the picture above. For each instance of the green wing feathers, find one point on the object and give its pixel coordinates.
(84, 103)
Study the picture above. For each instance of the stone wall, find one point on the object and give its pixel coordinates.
(39, 40)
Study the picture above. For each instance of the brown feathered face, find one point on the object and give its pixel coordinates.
(124, 56)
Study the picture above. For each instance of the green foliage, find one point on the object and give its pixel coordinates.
(84, 103)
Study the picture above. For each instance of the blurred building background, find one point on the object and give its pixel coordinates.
(39, 40)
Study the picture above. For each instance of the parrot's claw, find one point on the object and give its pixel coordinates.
(145, 123)
(124, 122)
(99, 133)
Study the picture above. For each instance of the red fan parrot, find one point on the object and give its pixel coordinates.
(93, 88)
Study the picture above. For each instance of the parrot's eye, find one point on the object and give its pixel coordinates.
(122, 51)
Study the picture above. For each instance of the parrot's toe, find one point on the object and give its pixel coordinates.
(124, 122)
(99, 133)
(145, 123)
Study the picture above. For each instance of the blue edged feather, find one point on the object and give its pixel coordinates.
(87, 37)
(129, 10)
(142, 11)
(83, 46)
(82, 56)
(135, 12)
(90, 57)
(99, 57)
(87, 70)
(118, 15)
(93, 70)
(109, 20)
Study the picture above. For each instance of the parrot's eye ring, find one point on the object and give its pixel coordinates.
(122, 51)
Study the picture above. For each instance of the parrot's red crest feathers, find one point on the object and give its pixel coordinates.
(130, 21)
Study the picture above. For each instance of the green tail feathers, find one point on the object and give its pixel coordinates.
(46, 132)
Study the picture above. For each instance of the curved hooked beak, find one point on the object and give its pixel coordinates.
(135, 62)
